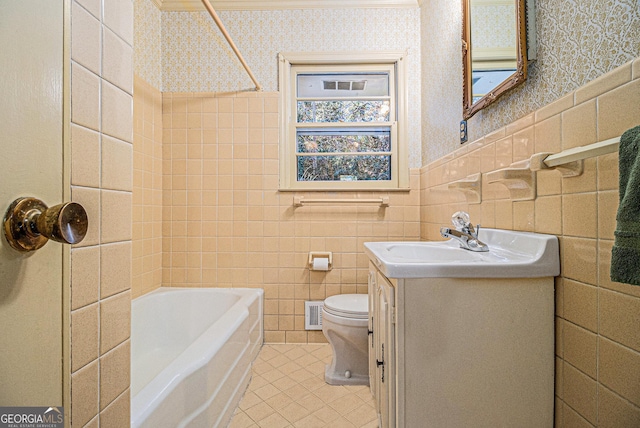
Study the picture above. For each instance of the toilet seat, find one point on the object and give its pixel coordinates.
(355, 306)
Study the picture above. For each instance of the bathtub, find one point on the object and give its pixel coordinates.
(191, 354)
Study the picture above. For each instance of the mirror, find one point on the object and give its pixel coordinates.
(493, 50)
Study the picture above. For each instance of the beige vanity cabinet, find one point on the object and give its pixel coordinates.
(462, 352)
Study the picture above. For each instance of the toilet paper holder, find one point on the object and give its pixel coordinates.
(320, 255)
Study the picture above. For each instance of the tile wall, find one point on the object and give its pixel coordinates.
(225, 224)
(147, 188)
(101, 180)
(597, 335)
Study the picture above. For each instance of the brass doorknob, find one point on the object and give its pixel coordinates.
(29, 224)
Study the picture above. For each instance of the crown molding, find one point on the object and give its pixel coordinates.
(196, 5)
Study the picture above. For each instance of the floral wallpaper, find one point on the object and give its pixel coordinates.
(441, 34)
(577, 42)
(197, 58)
(489, 16)
(147, 42)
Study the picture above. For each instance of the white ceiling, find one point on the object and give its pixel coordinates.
(196, 5)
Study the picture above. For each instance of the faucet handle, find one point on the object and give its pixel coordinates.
(460, 220)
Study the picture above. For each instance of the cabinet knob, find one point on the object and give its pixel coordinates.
(29, 224)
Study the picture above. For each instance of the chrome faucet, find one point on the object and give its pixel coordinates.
(464, 233)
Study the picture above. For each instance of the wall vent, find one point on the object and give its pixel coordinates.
(313, 315)
(344, 85)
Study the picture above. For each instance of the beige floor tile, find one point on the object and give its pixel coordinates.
(342, 423)
(250, 399)
(272, 375)
(259, 411)
(296, 353)
(294, 412)
(327, 414)
(302, 374)
(257, 382)
(290, 367)
(261, 367)
(279, 401)
(288, 390)
(361, 415)
(306, 360)
(311, 403)
(346, 404)
(310, 421)
(284, 383)
(274, 420)
(313, 383)
(279, 361)
(241, 420)
(328, 393)
(266, 391)
(372, 424)
(296, 391)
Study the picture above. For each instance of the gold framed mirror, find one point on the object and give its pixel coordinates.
(494, 52)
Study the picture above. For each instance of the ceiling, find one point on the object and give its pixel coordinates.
(196, 5)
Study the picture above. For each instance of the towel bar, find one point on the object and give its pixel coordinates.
(299, 201)
(583, 152)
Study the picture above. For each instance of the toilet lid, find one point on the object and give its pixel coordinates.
(348, 305)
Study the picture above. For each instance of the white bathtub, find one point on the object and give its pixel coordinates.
(191, 354)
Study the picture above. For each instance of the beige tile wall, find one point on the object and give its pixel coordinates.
(225, 224)
(147, 188)
(597, 334)
(101, 180)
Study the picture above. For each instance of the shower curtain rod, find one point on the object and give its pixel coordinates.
(226, 35)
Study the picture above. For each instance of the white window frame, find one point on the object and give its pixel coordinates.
(293, 62)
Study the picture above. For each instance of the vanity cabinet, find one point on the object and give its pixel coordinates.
(461, 352)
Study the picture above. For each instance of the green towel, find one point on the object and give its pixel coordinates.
(625, 257)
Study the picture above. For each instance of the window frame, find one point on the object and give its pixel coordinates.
(294, 63)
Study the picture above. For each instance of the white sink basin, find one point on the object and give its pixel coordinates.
(511, 255)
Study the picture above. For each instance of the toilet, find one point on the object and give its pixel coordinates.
(345, 325)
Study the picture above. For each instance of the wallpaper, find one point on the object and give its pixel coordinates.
(441, 27)
(197, 58)
(147, 42)
(577, 42)
(489, 17)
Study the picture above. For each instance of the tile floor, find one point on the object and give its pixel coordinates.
(287, 389)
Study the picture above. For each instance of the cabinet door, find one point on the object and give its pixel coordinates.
(372, 354)
(385, 352)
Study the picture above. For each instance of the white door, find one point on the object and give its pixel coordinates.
(31, 142)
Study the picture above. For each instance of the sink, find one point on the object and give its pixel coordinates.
(511, 254)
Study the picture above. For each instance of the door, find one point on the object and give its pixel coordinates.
(31, 140)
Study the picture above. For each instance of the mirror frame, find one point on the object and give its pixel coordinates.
(469, 108)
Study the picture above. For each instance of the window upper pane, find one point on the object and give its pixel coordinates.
(343, 111)
(330, 85)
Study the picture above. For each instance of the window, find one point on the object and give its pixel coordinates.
(342, 122)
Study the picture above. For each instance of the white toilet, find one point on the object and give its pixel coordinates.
(345, 325)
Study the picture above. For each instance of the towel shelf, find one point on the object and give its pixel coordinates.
(470, 186)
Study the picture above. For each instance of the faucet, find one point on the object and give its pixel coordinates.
(464, 233)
